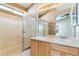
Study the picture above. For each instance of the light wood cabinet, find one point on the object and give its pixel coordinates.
(66, 54)
(40, 48)
(34, 47)
(66, 49)
(55, 53)
(43, 49)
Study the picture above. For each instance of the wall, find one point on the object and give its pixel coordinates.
(51, 28)
(50, 17)
(34, 9)
(10, 34)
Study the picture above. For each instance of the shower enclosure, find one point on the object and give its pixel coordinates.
(32, 26)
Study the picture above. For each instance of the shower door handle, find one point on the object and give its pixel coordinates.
(23, 31)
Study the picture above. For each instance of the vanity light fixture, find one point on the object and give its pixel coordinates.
(48, 6)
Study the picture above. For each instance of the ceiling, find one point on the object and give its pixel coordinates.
(25, 5)
(36, 8)
(41, 7)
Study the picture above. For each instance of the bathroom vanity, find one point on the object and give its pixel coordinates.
(65, 26)
(51, 46)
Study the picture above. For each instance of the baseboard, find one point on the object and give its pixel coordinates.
(27, 48)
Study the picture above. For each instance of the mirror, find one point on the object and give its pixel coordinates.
(77, 13)
(42, 28)
(45, 28)
(65, 19)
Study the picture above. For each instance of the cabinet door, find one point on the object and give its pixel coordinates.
(43, 49)
(66, 54)
(66, 49)
(55, 53)
(34, 47)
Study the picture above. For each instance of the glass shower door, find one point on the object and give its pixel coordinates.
(28, 30)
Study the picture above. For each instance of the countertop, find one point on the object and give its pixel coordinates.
(72, 41)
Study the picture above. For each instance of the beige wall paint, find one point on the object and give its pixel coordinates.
(10, 34)
(50, 16)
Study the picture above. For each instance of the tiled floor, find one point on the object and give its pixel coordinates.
(25, 53)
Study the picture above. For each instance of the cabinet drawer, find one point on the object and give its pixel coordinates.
(43, 43)
(70, 50)
(55, 53)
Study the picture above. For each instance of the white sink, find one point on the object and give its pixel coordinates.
(60, 40)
